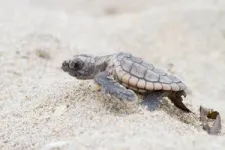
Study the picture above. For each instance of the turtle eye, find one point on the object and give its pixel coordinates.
(76, 65)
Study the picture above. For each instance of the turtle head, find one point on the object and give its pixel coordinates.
(80, 66)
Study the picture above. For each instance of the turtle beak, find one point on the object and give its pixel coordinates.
(65, 66)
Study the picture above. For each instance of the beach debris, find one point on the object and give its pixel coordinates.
(207, 114)
(43, 53)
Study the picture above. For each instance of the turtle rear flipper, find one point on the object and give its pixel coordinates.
(176, 99)
(110, 86)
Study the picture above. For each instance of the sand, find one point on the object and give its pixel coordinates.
(41, 107)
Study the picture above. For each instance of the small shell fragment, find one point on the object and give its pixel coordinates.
(216, 127)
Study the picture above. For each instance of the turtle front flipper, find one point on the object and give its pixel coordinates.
(110, 86)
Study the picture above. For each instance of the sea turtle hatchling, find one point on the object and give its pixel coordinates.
(122, 75)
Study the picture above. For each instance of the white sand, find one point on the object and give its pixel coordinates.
(42, 107)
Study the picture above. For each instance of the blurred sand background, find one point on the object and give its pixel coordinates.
(41, 107)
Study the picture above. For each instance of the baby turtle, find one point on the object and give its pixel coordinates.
(122, 74)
